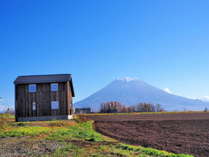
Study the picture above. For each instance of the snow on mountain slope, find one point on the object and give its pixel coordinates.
(132, 91)
(205, 98)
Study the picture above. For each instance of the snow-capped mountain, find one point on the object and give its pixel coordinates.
(132, 91)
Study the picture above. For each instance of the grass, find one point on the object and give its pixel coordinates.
(24, 131)
(81, 131)
(8, 116)
(64, 151)
(149, 151)
(65, 138)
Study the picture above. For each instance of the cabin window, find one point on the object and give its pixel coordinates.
(54, 87)
(34, 106)
(32, 88)
(55, 105)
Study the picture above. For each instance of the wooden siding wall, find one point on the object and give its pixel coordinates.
(42, 97)
(69, 99)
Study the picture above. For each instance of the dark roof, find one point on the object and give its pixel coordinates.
(45, 79)
(42, 78)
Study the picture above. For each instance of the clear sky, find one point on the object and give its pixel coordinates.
(163, 42)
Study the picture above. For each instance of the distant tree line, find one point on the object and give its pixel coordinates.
(147, 107)
(114, 107)
(117, 107)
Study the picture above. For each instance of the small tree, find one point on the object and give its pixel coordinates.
(206, 109)
(158, 108)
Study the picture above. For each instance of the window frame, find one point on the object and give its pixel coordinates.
(54, 87)
(32, 88)
(53, 107)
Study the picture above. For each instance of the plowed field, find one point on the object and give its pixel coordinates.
(179, 133)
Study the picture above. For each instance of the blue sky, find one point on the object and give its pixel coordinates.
(165, 43)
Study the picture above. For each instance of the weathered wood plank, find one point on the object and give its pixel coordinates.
(42, 98)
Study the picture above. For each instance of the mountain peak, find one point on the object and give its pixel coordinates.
(128, 79)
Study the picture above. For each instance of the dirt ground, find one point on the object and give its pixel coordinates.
(25, 146)
(179, 133)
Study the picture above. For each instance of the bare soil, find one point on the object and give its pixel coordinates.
(178, 133)
(25, 146)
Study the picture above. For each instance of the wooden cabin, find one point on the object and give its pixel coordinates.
(43, 97)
